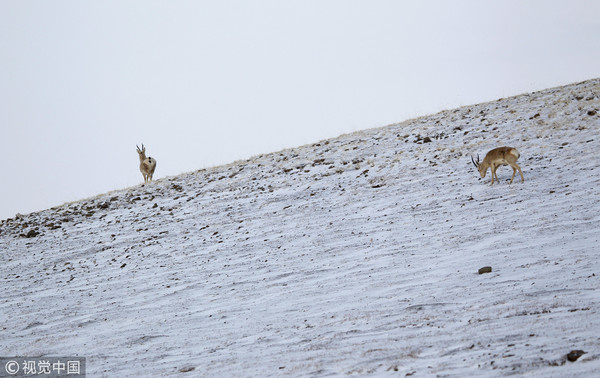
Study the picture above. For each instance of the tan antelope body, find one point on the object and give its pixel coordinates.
(497, 157)
(147, 164)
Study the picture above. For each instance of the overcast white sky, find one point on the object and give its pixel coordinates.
(204, 83)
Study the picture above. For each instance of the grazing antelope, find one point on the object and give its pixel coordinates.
(147, 164)
(497, 157)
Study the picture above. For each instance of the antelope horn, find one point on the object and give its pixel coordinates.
(473, 161)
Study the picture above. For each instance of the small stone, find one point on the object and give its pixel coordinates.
(574, 355)
(485, 269)
(31, 234)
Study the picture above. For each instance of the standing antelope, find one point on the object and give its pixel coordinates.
(497, 157)
(147, 164)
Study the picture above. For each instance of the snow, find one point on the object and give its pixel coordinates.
(355, 255)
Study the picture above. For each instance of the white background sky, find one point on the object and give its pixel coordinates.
(203, 83)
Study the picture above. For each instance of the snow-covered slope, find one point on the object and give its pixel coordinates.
(354, 255)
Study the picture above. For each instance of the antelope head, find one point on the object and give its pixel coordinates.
(141, 151)
(479, 167)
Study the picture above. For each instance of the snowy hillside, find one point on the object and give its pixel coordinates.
(354, 255)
